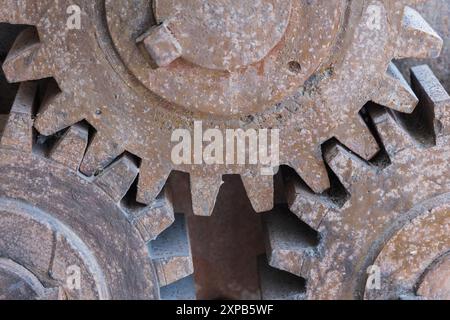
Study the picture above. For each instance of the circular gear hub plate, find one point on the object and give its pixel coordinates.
(223, 58)
(225, 34)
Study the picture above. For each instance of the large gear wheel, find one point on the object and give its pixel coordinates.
(57, 225)
(142, 69)
(392, 218)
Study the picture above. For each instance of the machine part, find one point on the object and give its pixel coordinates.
(142, 69)
(391, 222)
(437, 13)
(66, 236)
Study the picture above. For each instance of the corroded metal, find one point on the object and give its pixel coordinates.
(137, 71)
(393, 216)
(65, 236)
(322, 61)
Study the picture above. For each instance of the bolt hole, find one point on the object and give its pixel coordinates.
(294, 67)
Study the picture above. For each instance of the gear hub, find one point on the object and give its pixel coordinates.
(224, 35)
(225, 57)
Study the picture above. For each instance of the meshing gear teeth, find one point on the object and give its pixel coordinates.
(390, 239)
(135, 73)
(138, 71)
(65, 236)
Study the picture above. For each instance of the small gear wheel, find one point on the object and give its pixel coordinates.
(138, 70)
(384, 232)
(65, 236)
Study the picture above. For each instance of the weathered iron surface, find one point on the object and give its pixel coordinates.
(395, 216)
(437, 13)
(66, 236)
(139, 70)
(52, 220)
(321, 63)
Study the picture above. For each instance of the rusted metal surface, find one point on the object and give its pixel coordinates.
(135, 72)
(395, 216)
(293, 80)
(437, 13)
(52, 219)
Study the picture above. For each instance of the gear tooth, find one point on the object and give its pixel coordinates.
(204, 192)
(185, 289)
(393, 137)
(306, 205)
(347, 166)
(70, 148)
(117, 179)
(279, 285)
(290, 243)
(57, 112)
(260, 191)
(433, 95)
(152, 178)
(395, 93)
(152, 220)
(18, 132)
(418, 39)
(357, 137)
(171, 253)
(100, 153)
(26, 60)
(311, 168)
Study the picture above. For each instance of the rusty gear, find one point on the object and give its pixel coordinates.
(56, 224)
(393, 216)
(138, 71)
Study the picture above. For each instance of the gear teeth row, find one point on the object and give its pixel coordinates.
(156, 223)
(433, 96)
(291, 244)
(25, 62)
(69, 149)
(395, 93)
(171, 253)
(279, 285)
(18, 132)
(417, 39)
(26, 58)
(289, 247)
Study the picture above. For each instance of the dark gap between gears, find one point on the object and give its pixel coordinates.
(8, 34)
(381, 159)
(420, 123)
